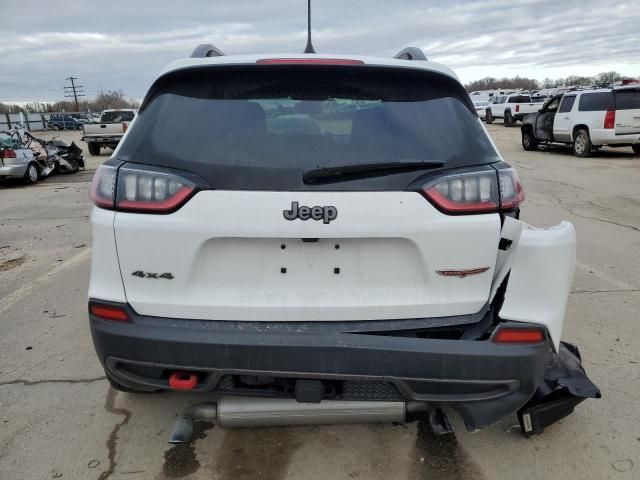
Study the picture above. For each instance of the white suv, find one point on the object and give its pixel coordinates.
(587, 120)
(324, 229)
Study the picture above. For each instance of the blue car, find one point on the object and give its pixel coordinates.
(63, 122)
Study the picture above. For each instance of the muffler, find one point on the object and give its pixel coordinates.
(231, 412)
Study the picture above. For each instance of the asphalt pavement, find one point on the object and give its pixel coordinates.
(60, 419)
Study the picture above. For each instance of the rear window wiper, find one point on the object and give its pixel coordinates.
(351, 172)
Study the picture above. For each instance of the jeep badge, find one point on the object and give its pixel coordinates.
(326, 214)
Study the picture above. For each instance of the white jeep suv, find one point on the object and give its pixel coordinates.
(322, 228)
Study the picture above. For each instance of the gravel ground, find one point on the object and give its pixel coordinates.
(60, 419)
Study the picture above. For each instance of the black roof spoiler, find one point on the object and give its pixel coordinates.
(410, 53)
(206, 50)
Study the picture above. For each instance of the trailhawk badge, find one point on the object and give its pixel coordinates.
(462, 273)
(326, 214)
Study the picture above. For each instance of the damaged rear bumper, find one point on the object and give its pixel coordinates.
(481, 380)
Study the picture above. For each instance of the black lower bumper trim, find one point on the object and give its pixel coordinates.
(481, 380)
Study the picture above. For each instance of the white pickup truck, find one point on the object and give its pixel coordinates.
(108, 131)
(511, 108)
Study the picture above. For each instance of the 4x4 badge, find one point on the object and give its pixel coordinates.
(326, 214)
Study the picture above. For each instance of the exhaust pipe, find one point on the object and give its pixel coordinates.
(183, 428)
(231, 412)
(258, 412)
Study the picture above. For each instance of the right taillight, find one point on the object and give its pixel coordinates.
(511, 191)
(143, 190)
(476, 192)
(610, 119)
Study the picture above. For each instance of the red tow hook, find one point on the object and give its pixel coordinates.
(183, 380)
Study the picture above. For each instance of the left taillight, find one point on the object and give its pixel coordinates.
(103, 187)
(610, 119)
(142, 190)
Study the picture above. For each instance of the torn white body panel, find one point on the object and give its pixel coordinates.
(510, 234)
(541, 276)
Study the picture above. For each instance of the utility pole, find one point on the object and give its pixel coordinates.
(74, 91)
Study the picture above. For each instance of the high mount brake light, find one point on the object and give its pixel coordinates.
(308, 61)
(519, 335)
(140, 190)
(610, 119)
(473, 192)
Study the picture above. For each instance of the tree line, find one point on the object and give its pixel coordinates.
(522, 83)
(103, 101)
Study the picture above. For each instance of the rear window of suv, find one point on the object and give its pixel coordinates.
(261, 128)
(628, 100)
(596, 102)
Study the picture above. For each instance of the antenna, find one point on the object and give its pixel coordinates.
(309, 48)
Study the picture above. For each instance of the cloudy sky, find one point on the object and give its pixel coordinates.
(115, 44)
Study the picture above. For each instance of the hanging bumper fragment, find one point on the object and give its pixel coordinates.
(565, 385)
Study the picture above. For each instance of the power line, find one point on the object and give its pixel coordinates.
(76, 89)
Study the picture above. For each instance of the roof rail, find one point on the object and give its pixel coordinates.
(410, 53)
(206, 50)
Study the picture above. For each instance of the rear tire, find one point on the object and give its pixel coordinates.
(509, 121)
(636, 149)
(56, 127)
(32, 174)
(488, 117)
(582, 146)
(529, 142)
(94, 149)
